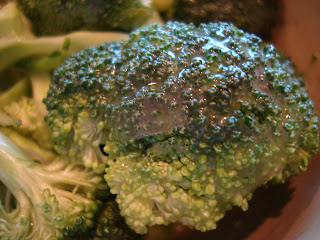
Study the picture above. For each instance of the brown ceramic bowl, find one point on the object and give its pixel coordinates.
(290, 211)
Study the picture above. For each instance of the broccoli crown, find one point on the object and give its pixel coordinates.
(52, 17)
(53, 201)
(256, 16)
(193, 120)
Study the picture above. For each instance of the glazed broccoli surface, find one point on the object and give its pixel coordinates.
(193, 120)
(52, 17)
(254, 16)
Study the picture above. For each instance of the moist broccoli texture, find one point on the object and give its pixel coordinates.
(193, 120)
(52, 17)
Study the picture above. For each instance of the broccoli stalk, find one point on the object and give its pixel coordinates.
(18, 43)
(51, 201)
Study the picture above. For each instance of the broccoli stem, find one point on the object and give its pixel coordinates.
(53, 200)
(15, 221)
(40, 85)
(16, 168)
(12, 178)
(51, 47)
(53, 179)
(27, 145)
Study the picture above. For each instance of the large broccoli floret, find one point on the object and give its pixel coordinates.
(193, 119)
(52, 17)
(55, 201)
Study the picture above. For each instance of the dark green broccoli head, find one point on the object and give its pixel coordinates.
(256, 16)
(52, 17)
(193, 119)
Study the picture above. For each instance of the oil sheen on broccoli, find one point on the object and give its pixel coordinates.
(193, 119)
(52, 17)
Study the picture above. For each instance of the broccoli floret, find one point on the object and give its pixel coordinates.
(55, 201)
(255, 16)
(111, 225)
(193, 120)
(52, 17)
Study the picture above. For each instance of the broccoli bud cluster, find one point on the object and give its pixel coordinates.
(193, 120)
